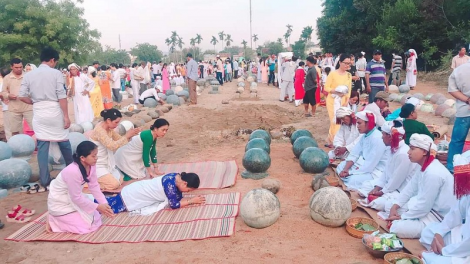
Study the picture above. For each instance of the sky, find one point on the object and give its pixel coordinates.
(139, 21)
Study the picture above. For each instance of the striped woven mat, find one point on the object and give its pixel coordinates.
(213, 174)
(214, 219)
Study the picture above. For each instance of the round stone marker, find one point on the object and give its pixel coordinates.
(5, 151)
(87, 126)
(259, 133)
(258, 143)
(14, 173)
(300, 133)
(330, 206)
(76, 128)
(75, 139)
(314, 160)
(302, 143)
(183, 93)
(169, 92)
(256, 162)
(173, 99)
(260, 208)
(150, 103)
(404, 88)
(22, 146)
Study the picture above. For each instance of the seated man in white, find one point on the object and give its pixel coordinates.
(398, 172)
(368, 157)
(347, 136)
(427, 197)
(448, 242)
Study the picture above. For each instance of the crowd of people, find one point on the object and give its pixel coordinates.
(388, 158)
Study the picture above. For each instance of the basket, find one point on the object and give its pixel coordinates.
(332, 180)
(398, 255)
(351, 222)
(353, 205)
(379, 253)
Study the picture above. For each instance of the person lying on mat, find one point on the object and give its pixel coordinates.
(108, 141)
(427, 197)
(133, 159)
(69, 209)
(146, 197)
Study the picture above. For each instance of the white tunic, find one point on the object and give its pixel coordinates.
(397, 174)
(81, 103)
(347, 137)
(455, 229)
(369, 156)
(129, 158)
(145, 193)
(410, 68)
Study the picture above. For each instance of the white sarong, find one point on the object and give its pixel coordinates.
(48, 122)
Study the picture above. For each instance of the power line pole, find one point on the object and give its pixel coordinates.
(119, 41)
(251, 33)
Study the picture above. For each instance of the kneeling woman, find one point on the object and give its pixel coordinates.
(69, 209)
(134, 158)
(149, 196)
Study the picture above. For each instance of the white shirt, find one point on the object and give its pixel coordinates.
(144, 193)
(4, 106)
(399, 170)
(361, 65)
(155, 68)
(235, 65)
(229, 67)
(149, 93)
(347, 136)
(140, 72)
(116, 83)
(372, 149)
(432, 189)
(374, 108)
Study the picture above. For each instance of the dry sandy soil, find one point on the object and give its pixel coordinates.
(208, 132)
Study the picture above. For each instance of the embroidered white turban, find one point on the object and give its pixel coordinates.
(73, 65)
(367, 116)
(343, 111)
(423, 142)
(388, 126)
(413, 100)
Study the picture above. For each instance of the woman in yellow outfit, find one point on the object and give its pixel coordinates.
(335, 79)
(95, 95)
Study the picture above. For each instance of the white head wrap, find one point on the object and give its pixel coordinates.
(33, 67)
(363, 115)
(369, 117)
(343, 111)
(288, 58)
(73, 65)
(342, 89)
(414, 51)
(91, 69)
(413, 100)
(423, 142)
(389, 125)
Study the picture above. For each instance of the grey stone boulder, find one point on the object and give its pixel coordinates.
(22, 146)
(271, 185)
(14, 173)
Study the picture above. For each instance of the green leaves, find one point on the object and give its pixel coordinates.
(147, 52)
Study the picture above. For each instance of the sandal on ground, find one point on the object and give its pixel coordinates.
(1, 225)
(15, 218)
(37, 189)
(308, 115)
(25, 188)
(18, 209)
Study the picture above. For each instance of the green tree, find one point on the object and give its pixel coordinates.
(229, 40)
(109, 55)
(279, 40)
(288, 34)
(214, 41)
(222, 37)
(146, 52)
(299, 48)
(27, 26)
(255, 38)
(307, 33)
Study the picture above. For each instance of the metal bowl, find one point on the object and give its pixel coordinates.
(380, 253)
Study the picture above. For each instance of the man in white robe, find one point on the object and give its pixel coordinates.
(347, 136)
(80, 87)
(368, 157)
(427, 197)
(287, 79)
(398, 172)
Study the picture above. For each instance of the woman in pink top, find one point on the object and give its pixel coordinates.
(165, 78)
(264, 70)
(69, 209)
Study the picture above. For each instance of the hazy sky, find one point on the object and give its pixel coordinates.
(139, 21)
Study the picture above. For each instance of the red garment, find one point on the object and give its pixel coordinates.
(318, 91)
(298, 84)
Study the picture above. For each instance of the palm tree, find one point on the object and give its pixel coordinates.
(173, 40)
(180, 45)
(286, 38)
(221, 37)
(229, 40)
(255, 38)
(192, 42)
(307, 33)
(288, 33)
(168, 43)
(199, 39)
(244, 43)
(214, 41)
(279, 40)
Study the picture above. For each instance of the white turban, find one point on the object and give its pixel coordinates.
(91, 69)
(342, 89)
(73, 65)
(367, 116)
(423, 142)
(414, 52)
(388, 126)
(413, 100)
(288, 58)
(343, 111)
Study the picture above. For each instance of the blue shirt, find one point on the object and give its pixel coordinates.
(172, 192)
(272, 64)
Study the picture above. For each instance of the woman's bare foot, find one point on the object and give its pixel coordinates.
(48, 227)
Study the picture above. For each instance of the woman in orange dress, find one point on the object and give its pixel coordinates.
(104, 77)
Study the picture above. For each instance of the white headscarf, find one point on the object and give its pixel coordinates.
(343, 111)
(388, 126)
(33, 67)
(342, 89)
(73, 65)
(413, 100)
(423, 142)
(369, 117)
(91, 69)
(414, 51)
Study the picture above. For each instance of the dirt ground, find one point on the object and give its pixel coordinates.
(208, 131)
